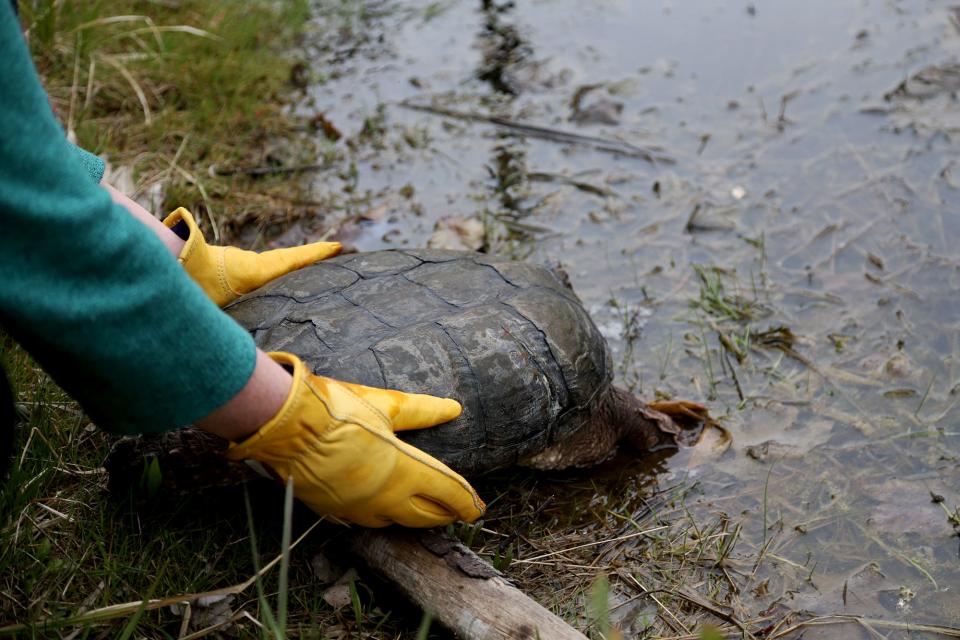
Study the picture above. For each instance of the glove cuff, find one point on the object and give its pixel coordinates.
(182, 223)
(205, 264)
(250, 447)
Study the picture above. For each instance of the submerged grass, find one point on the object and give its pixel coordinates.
(662, 562)
(730, 314)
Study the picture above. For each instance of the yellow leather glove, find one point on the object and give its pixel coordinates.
(226, 273)
(336, 440)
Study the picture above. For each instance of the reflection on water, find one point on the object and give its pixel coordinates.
(807, 168)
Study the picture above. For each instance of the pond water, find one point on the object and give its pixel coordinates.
(757, 202)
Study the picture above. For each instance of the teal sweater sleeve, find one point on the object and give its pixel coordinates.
(90, 163)
(89, 291)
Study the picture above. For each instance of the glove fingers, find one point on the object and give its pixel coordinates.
(302, 256)
(417, 490)
(409, 517)
(408, 410)
(335, 440)
(435, 494)
(273, 264)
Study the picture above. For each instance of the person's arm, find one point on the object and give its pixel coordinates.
(337, 440)
(89, 290)
(170, 240)
(264, 394)
(256, 403)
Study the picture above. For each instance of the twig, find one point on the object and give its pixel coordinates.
(591, 544)
(214, 170)
(547, 133)
(543, 176)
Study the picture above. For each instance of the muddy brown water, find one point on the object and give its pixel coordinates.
(803, 159)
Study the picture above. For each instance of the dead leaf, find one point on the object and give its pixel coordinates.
(150, 197)
(376, 214)
(458, 233)
(322, 123)
(215, 613)
(205, 611)
(206, 602)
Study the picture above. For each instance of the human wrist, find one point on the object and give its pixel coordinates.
(170, 240)
(254, 405)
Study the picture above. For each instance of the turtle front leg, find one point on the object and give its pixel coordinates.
(594, 441)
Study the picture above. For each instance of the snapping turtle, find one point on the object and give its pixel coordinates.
(509, 340)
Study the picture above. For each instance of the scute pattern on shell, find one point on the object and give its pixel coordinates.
(507, 339)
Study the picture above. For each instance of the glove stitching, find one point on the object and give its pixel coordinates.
(387, 423)
(221, 264)
(443, 470)
(392, 440)
(348, 417)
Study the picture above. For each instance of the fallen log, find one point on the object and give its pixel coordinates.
(458, 588)
(443, 577)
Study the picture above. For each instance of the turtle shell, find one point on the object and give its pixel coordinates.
(509, 340)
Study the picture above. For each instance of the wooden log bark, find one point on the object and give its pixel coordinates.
(462, 591)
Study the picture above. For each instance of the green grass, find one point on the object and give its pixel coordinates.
(171, 89)
(68, 549)
(729, 314)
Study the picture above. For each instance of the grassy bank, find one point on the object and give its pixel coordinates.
(163, 91)
(172, 92)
